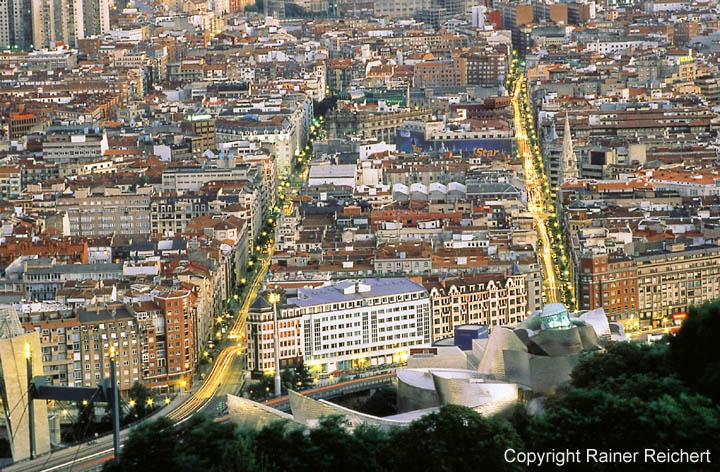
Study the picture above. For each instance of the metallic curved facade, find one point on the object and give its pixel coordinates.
(309, 411)
(249, 414)
(501, 339)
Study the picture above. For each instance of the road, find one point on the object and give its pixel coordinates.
(533, 182)
(85, 456)
(221, 367)
(222, 379)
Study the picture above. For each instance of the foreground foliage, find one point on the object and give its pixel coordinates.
(628, 398)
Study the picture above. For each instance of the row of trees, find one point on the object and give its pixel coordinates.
(628, 398)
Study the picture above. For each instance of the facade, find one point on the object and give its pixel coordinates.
(610, 282)
(400, 9)
(101, 329)
(65, 144)
(260, 336)
(173, 213)
(440, 73)
(345, 325)
(365, 322)
(96, 17)
(16, 24)
(176, 308)
(672, 281)
(202, 128)
(10, 178)
(485, 69)
(59, 329)
(191, 179)
(41, 278)
(485, 299)
(650, 287)
(381, 126)
(93, 214)
(283, 134)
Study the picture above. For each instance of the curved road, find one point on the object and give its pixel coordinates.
(93, 454)
(89, 455)
(219, 372)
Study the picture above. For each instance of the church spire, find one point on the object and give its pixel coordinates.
(569, 159)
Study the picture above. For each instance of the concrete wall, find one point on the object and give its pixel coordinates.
(14, 371)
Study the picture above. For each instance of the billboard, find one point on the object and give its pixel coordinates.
(414, 141)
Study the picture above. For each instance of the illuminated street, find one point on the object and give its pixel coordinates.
(533, 182)
(221, 369)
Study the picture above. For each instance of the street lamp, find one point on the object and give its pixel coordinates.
(274, 298)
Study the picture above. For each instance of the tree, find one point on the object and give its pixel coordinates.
(139, 406)
(382, 402)
(621, 359)
(296, 378)
(693, 350)
(455, 438)
(596, 419)
(87, 424)
(150, 447)
(213, 447)
(322, 107)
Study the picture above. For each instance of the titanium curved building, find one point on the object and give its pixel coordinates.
(309, 411)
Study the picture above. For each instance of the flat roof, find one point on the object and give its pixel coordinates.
(335, 293)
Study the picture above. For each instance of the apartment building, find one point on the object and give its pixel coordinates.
(20, 124)
(609, 281)
(345, 325)
(400, 9)
(649, 284)
(101, 329)
(261, 341)
(283, 134)
(367, 124)
(191, 179)
(485, 69)
(201, 126)
(10, 182)
(64, 144)
(173, 213)
(107, 211)
(447, 73)
(40, 278)
(492, 299)
(153, 353)
(176, 308)
(673, 280)
(59, 329)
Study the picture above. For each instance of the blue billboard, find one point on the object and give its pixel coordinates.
(414, 141)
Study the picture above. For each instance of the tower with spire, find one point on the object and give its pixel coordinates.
(569, 159)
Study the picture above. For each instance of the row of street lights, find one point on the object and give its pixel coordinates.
(551, 249)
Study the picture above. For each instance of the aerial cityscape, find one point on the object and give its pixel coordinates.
(362, 235)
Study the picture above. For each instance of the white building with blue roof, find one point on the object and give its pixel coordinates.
(360, 323)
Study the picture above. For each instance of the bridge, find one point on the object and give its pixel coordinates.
(336, 390)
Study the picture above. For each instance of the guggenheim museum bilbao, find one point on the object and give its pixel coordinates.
(488, 370)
